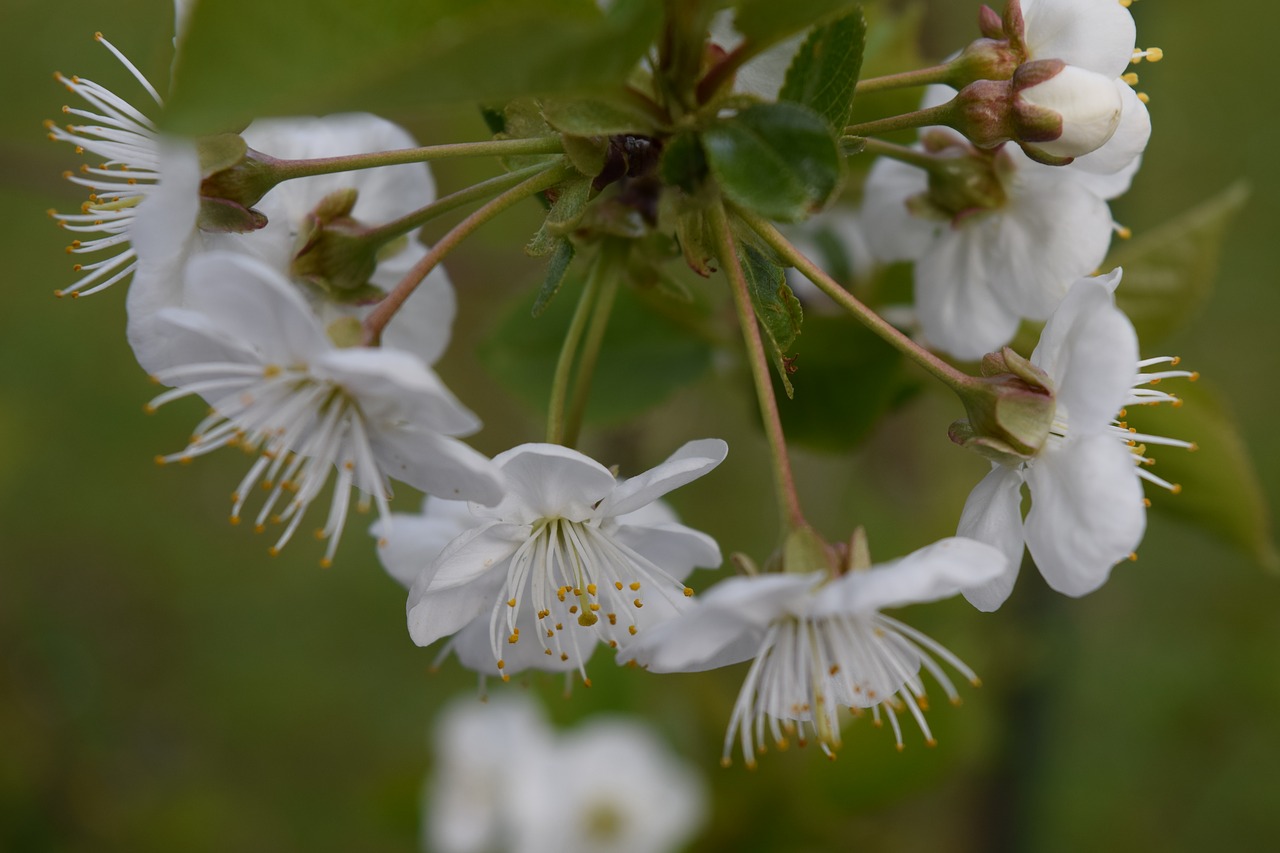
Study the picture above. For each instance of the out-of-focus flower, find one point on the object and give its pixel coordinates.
(1087, 511)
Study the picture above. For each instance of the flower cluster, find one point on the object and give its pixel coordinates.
(277, 274)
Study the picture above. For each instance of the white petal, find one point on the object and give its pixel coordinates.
(408, 544)
(1086, 512)
(1108, 171)
(423, 325)
(934, 572)
(395, 386)
(695, 642)
(553, 481)
(474, 647)
(676, 549)
(993, 514)
(893, 233)
(1090, 351)
(255, 301)
(960, 311)
(1089, 104)
(684, 466)
(477, 552)
(437, 464)
(1096, 34)
(438, 613)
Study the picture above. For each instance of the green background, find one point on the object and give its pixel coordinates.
(164, 685)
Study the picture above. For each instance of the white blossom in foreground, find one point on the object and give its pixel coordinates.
(280, 389)
(505, 781)
(562, 558)
(1087, 509)
(820, 644)
(127, 141)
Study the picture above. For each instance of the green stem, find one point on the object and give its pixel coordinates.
(784, 479)
(387, 308)
(590, 354)
(910, 156)
(940, 114)
(286, 170)
(948, 375)
(569, 349)
(389, 231)
(919, 77)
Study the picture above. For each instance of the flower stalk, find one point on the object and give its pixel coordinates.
(600, 314)
(376, 322)
(557, 432)
(784, 480)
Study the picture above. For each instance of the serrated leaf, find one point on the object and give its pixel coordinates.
(779, 160)
(766, 22)
(845, 379)
(646, 355)
(561, 258)
(824, 72)
(892, 44)
(244, 58)
(596, 117)
(1220, 491)
(776, 307)
(1169, 270)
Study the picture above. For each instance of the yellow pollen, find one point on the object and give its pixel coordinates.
(638, 603)
(931, 742)
(613, 644)
(235, 519)
(594, 607)
(1144, 97)
(635, 587)
(1131, 78)
(149, 409)
(631, 629)
(546, 651)
(1133, 556)
(688, 592)
(1177, 489)
(320, 534)
(591, 589)
(1177, 359)
(273, 551)
(1194, 447)
(835, 669)
(511, 602)
(586, 682)
(502, 664)
(1123, 232)
(618, 584)
(514, 638)
(559, 626)
(259, 528)
(612, 617)
(1195, 375)
(325, 563)
(1154, 54)
(543, 614)
(577, 590)
(564, 656)
(1146, 502)
(573, 608)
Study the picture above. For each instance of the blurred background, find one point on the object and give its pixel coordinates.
(164, 685)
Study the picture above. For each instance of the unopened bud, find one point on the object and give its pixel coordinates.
(1010, 409)
(333, 251)
(233, 178)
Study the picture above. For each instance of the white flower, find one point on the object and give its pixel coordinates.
(279, 388)
(820, 644)
(1097, 36)
(504, 781)
(987, 258)
(1087, 510)
(558, 558)
(166, 235)
(1087, 104)
(126, 140)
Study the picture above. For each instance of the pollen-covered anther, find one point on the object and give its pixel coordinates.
(631, 629)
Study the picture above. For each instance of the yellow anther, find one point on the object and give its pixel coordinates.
(638, 603)
(1133, 556)
(586, 620)
(612, 617)
(635, 587)
(1195, 375)
(591, 589)
(1144, 97)
(688, 592)
(325, 563)
(235, 519)
(543, 614)
(618, 584)
(1146, 502)
(502, 664)
(1153, 54)
(1124, 232)
(320, 534)
(586, 682)
(631, 629)
(835, 669)
(564, 656)
(546, 651)
(1177, 489)
(511, 602)
(1194, 447)
(594, 607)
(1131, 78)
(273, 551)
(259, 528)
(613, 644)
(573, 608)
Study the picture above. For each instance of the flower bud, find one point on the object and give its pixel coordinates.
(1010, 409)
(333, 251)
(1054, 111)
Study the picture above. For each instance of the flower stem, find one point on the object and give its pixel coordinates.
(389, 231)
(940, 114)
(784, 479)
(590, 354)
(910, 156)
(948, 375)
(285, 170)
(572, 337)
(919, 77)
(387, 308)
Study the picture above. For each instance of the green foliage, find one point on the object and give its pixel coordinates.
(596, 117)
(1169, 271)
(775, 306)
(846, 379)
(892, 45)
(779, 160)
(245, 58)
(766, 22)
(646, 355)
(565, 214)
(684, 163)
(824, 72)
(557, 268)
(1220, 491)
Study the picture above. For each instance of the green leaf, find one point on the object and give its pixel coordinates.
(776, 307)
(684, 164)
(825, 70)
(779, 160)
(766, 22)
(561, 258)
(892, 44)
(1169, 271)
(845, 379)
(1220, 491)
(645, 358)
(565, 214)
(245, 58)
(596, 117)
